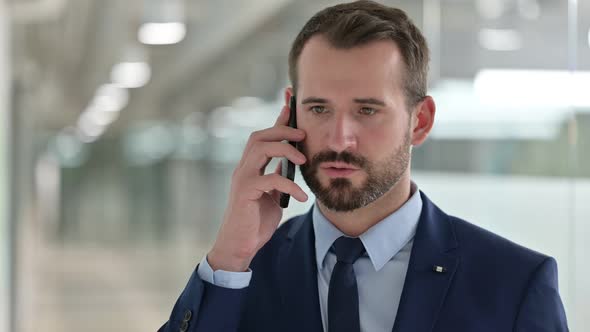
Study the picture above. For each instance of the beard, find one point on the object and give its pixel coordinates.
(341, 195)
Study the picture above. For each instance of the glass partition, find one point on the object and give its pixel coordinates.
(5, 227)
(121, 180)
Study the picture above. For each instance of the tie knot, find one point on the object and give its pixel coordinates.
(348, 249)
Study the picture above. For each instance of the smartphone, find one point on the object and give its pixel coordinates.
(288, 167)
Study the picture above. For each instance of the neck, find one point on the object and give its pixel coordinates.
(356, 222)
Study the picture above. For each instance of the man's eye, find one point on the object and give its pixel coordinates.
(318, 109)
(368, 111)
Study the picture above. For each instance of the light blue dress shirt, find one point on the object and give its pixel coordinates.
(380, 272)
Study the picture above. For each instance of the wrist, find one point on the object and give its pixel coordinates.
(220, 261)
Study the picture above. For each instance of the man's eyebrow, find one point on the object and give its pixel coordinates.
(318, 100)
(373, 101)
(314, 100)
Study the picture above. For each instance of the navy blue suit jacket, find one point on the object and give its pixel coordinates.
(489, 284)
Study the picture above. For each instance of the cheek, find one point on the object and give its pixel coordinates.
(307, 146)
(312, 139)
(373, 147)
(377, 138)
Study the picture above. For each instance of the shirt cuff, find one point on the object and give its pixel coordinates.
(221, 278)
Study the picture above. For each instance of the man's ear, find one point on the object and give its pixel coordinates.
(422, 120)
(288, 94)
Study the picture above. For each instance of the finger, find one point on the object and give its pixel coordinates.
(260, 155)
(283, 118)
(276, 182)
(275, 194)
(273, 134)
(278, 133)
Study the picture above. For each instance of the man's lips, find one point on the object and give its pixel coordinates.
(338, 165)
(338, 169)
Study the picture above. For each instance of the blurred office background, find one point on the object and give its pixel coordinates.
(121, 122)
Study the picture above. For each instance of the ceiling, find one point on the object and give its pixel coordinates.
(63, 50)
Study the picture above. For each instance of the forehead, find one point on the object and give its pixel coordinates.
(377, 65)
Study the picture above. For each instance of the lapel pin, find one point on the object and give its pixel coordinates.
(439, 269)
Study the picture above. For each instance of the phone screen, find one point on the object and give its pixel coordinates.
(287, 167)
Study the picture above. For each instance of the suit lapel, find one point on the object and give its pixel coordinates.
(425, 289)
(298, 278)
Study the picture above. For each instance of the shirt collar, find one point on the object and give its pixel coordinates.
(382, 241)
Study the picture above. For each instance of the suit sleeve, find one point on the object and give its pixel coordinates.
(541, 309)
(203, 306)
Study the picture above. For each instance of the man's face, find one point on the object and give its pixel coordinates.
(352, 107)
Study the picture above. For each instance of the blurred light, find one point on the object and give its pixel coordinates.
(533, 88)
(110, 98)
(149, 143)
(219, 124)
(68, 149)
(529, 9)
(226, 139)
(193, 139)
(500, 39)
(230, 127)
(89, 130)
(100, 117)
(104, 108)
(192, 143)
(490, 9)
(131, 74)
(467, 117)
(162, 33)
(247, 102)
(588, 37)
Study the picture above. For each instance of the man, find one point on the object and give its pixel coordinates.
(374, 253)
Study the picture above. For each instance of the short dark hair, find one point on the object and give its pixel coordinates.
(360, 22)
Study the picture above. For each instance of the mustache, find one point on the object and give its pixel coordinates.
(333, 156)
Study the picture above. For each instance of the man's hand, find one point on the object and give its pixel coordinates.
(253, 212)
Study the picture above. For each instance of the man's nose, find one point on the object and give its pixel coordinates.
(342, 134)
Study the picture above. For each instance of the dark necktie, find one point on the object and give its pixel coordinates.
(343, 298)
